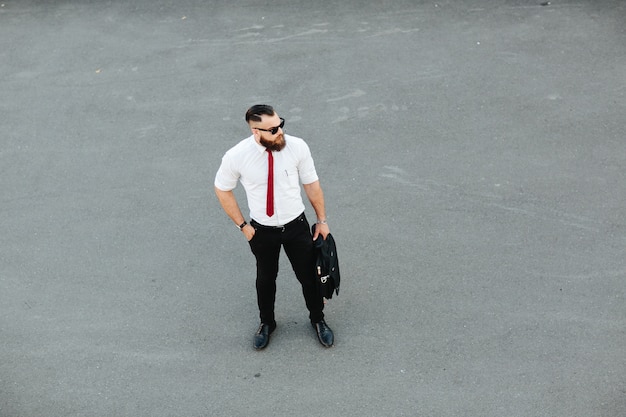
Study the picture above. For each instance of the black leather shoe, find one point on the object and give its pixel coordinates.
(324, 334)
(262, 336)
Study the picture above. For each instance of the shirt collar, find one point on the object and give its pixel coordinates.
(257, 145)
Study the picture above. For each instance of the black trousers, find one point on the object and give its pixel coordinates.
(295, 237)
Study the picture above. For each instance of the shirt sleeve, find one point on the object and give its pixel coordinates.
(226, 177)
(306, 168)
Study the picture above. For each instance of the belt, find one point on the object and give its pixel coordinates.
(291, 223)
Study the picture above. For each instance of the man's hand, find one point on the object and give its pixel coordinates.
(321, 229)
(248, 232)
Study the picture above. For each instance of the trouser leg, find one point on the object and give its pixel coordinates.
(298, 244)
(265, 246)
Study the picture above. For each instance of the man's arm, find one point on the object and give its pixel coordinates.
(316, 197)
(229, 204)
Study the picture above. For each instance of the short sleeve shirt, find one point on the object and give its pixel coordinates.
(247, 163)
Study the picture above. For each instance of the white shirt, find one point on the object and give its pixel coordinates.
(247, 162)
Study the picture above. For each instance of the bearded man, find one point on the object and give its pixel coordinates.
(271, 166)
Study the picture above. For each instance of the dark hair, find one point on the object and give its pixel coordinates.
(255, 112)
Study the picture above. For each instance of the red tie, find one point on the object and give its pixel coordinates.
(269, 207)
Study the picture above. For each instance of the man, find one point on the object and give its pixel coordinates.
(271, 165)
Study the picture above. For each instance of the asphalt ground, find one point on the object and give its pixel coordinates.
(473, 160)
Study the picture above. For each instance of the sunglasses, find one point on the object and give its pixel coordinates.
(274, 130)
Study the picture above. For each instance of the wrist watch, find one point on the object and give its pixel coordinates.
(242, 225)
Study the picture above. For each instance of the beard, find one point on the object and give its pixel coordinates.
(276, 145)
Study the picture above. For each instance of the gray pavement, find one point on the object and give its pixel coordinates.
(473, 160)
